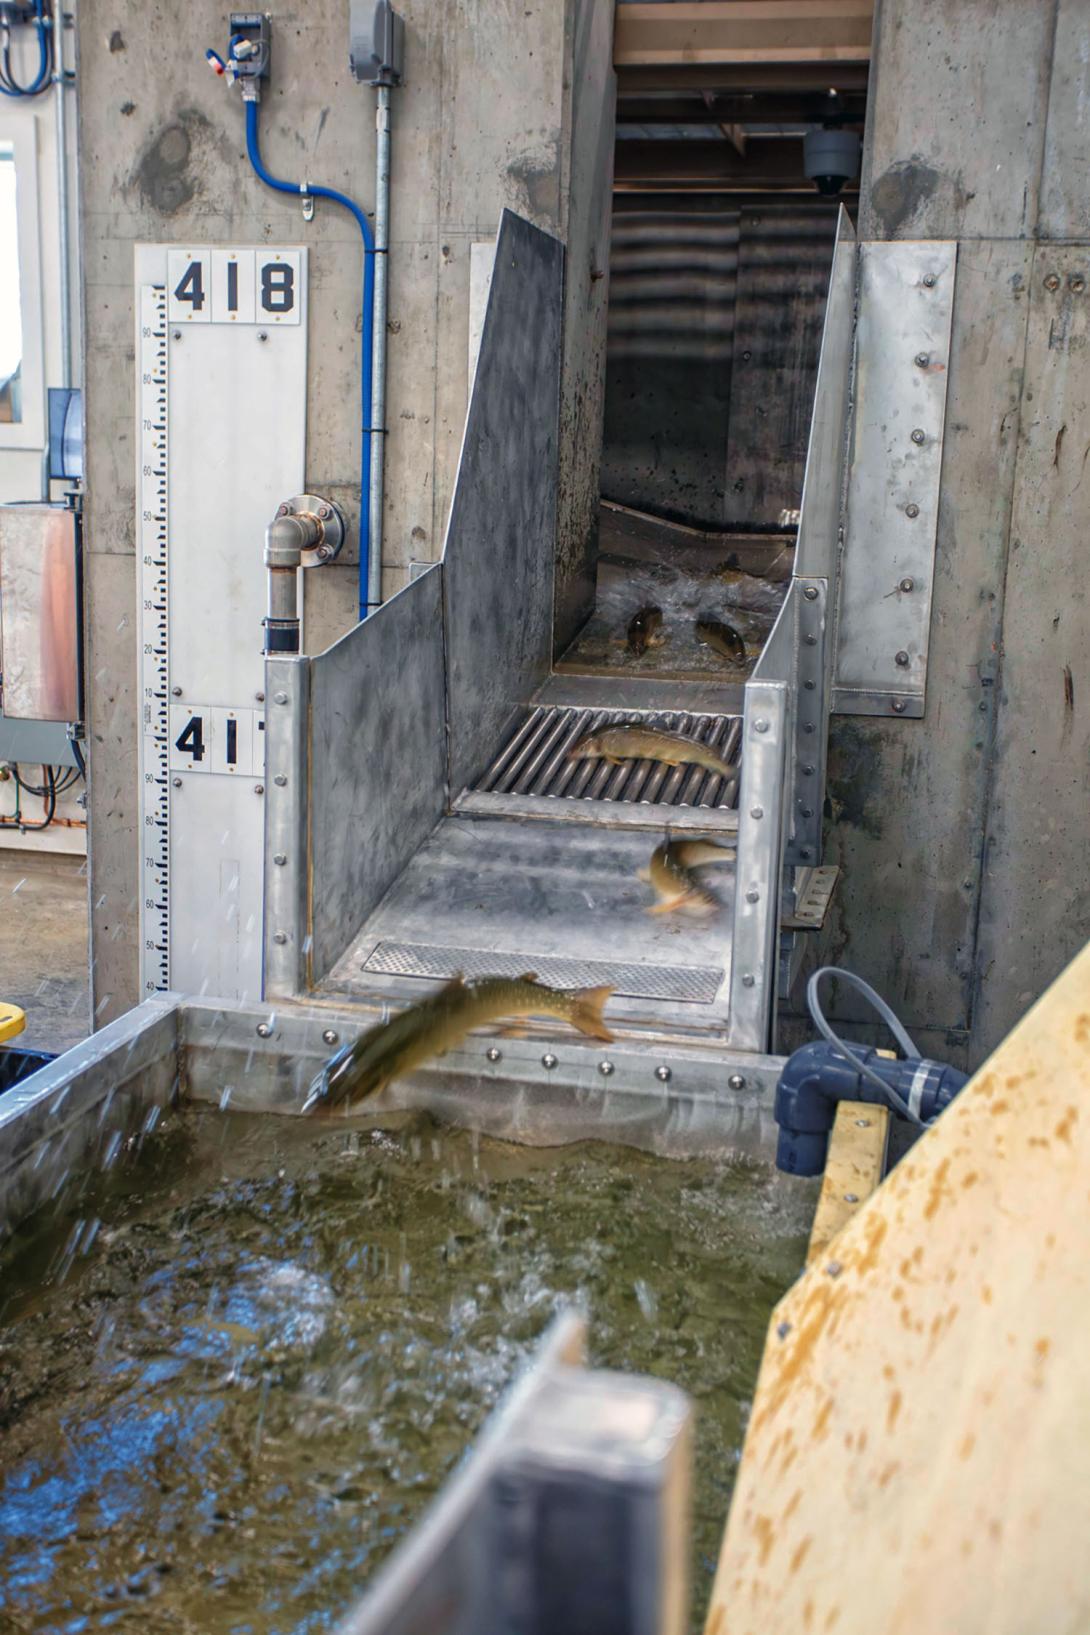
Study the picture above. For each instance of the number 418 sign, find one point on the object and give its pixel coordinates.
(233, 287)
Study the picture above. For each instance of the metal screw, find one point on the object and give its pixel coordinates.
(898, 706)
(736, 1081)
(260, 697)
(783, 1330)
(548, 1060)
(259, 788)
(810, 593)
(756, 811)
(749, 980)
(919, 436)
(605, 1069)
(851, 1197)
(493, 1055)
(753, 896)
(177, 782)
(280, 859)
(746, 356)
(807, 811)
(912, 510)
(280, 780)
(804, 851)
(901, 658)
(283, 510)
(834, 1268)
(808, 726)
(922, 360)
(809, 771)
(862, 1123)
(263, 1030)
(281, 698)
(1077, 283)
(280, 936)
(663, 1074)
(262, 334)
(1052, 282)
(929, 281)
(175, 334)
(907, 585)
(323, 553)
(176, 692)
(808, 686)
(324, 512)
(760, 726)
(329, 1037)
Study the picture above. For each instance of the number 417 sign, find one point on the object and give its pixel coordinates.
(233, 287)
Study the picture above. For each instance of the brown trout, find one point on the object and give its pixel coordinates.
(723, 638)
(629, 741)
(669, 874)
(645, 630)
(391, 1049)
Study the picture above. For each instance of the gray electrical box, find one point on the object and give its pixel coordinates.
(376, 42)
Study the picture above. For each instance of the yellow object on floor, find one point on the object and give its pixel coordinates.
(12, 1021)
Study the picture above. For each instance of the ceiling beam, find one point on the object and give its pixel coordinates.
(770, 108)
(745, 77)
(738, 32)
(767, 162)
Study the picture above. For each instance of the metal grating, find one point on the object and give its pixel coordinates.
(533, 760)
(697, 984)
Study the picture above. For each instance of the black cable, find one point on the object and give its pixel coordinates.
(9, 85)
(80, 762)
(50, 799)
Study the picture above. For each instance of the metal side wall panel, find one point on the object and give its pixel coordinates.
(902, 351)
(822, 490)
(377, 760)
(286, 931)
(498, 558)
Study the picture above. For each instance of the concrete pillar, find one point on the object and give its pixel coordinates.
(501, 107)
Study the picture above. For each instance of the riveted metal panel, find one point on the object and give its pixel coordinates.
(818, 542)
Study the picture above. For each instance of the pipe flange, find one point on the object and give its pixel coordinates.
(326, 522)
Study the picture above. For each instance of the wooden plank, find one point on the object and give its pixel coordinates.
(12, 1021)
(1036, 883)
(749, 76)
(854, 1167)
(918, 1455)
(743, 31)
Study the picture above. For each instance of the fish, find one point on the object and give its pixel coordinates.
(390, 1049)
(723, 638)
(631, 741)
(669, 874)
(645, 630)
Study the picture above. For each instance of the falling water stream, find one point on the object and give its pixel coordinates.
(233, 1373)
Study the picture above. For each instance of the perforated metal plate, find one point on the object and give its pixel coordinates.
(692, 983)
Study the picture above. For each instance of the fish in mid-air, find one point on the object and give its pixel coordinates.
(630, 741)
(723, 638)
(670, 875)
(391, 1049)
(645, 630)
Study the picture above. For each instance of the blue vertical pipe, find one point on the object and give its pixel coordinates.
(298, 188)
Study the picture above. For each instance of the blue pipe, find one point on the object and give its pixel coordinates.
(9, 86)
(364, 226)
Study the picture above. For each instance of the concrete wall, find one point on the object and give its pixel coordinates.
(963, 838)
(484, 120)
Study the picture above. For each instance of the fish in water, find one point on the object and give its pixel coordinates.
(670, 874)
(629, 741)
(413, 1036)
(723, 638)
(645, 630)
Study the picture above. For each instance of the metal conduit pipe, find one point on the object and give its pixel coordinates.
(60, 84)
(378, 341)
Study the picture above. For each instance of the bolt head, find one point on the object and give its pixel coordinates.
(749, 980)
(851, 1197)
(663, 1074)
(329, 1036)
(807, 811)
(280, 859)
(259, 788)
(548, 1060)
(1076, 283)
(736, 1081)
(281, 698)
(862, 1123)
(1052, 282)
(901, 659)
(262, 334)
(175, 334)
(783, 1330)
(323, 553)
(907, 585)
(493, 1055)
(760, 726)
(283, 510)
(810, 593)
(912, 510)
(176, 783)
(280, 781)
(929, 281)
(753, 896)
(809, 771)
(898, 706)
(811, 641)
(263, 1030)
(919, 435)
(280, 937)
(605, 1069)
(325, 512)
(176, 692)
(260, 697)
(922, 360)
(834, 1268)
(808, 686)
(756, 811)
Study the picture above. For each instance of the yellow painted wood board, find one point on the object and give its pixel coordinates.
(854, 1166)
(12, 1021)
(918, 1456)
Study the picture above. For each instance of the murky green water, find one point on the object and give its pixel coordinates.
(235, 1391)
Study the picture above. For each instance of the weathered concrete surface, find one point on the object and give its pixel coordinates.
(482, 122)
(43, 948)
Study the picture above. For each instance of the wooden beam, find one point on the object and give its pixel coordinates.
(768, 108)
(784, 76)
(767, 162)
(918, 1453)
(854, 1167)
(742, 31)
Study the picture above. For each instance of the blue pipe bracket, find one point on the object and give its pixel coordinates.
(305, 190)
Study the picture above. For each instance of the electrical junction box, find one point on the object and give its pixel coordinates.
(221, 347)
(376, 42)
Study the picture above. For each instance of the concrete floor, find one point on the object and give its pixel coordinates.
(43, 947)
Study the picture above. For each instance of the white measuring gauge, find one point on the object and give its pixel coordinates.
(221, 405)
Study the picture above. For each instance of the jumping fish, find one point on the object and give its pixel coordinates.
(629, 741)
(723, 638)
(645, 630)
(669, 873)
(413, 1036)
